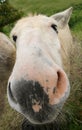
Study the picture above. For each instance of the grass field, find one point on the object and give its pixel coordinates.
(50, 7)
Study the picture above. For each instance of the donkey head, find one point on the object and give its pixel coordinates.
(38, 85)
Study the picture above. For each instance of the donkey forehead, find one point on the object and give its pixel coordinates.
(34, 21)
(37, 20)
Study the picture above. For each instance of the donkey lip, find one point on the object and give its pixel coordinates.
(11, 94)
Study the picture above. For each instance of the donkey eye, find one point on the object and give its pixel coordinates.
(14, 38)
(54, 27)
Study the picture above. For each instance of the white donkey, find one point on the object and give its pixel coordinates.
(38, 85)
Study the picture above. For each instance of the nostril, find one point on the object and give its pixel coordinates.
(10, 93)
(9, 86)
(62, 83)
(61, 92)
(59, 75)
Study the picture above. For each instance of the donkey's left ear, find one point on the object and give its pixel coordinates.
(63, 18)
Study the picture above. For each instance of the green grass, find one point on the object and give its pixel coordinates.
(43, 6)
(50, 7)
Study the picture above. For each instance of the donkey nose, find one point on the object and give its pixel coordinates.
(36, 101)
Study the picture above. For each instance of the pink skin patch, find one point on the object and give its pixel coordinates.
(36, 107)
(56, 93)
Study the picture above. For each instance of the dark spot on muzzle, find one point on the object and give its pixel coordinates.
(33, 101)
(29, 91)
(27, 94)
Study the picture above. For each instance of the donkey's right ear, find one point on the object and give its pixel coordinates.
(7, 57)
(63, 17)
